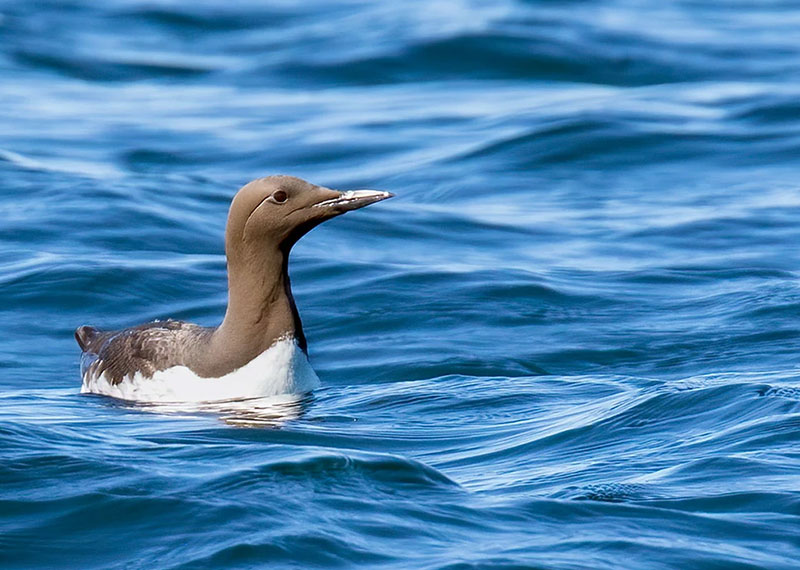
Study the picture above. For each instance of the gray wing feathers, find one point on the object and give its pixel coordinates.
(145, 349)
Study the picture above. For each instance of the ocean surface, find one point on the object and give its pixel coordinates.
(571, 341)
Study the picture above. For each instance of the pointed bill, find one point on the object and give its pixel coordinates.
(353, 200)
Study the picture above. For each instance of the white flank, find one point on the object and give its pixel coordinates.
(281, 369)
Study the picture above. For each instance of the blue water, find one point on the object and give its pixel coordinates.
(571, 341)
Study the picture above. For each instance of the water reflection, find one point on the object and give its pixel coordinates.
(270, 412)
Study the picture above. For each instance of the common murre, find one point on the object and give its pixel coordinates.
(259, 349)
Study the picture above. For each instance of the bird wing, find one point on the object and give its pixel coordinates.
(145, 349)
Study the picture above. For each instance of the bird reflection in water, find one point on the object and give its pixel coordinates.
(269, 412)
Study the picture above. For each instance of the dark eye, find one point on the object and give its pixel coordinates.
(280, 196)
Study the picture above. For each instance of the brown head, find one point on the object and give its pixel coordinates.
(276, 211)
(266, 218)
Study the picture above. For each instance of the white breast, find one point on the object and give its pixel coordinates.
(281, 369)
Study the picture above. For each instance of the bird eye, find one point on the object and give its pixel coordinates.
(280, 196)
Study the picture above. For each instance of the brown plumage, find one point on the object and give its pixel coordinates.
(146, 348)
(266, 218)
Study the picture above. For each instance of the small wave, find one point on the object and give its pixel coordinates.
(208, 19)
(607, 492)
(119, 66)
(786, 392)
(87, 169)
(312, 549)
(325, 468)
(504, 54)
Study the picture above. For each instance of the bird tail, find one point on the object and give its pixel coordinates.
(85, 335)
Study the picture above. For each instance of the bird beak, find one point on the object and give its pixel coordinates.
(352, 200)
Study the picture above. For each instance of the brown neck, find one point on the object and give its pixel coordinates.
(261, 308)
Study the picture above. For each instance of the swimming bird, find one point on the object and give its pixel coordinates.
(259, 349)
